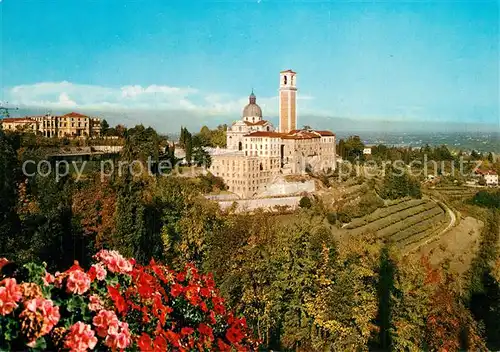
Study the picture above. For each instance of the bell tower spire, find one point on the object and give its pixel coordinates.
(288, 101)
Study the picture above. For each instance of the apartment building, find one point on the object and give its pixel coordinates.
(71, 125)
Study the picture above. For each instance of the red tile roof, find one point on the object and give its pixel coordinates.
(294, 134)
(325, 133)
(486, 172)
(265, 134)
(301, 134)
(17, 119)
(261, 122)
(74, 114)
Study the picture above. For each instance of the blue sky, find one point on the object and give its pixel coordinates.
(195, 62)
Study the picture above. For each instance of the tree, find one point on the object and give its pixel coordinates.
(140, 144)
(9, 220)
(201, 157)
(491, 159)
(399, 185)
(104, 127)
(341, 149)
(137, 231)
(484, 288)
(475, 155)
(211, 138)
(427, 311)
(354, 148)
(305, 202)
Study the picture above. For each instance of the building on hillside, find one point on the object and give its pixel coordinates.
(367, 151)
(25, 124)
(256, 153)
(490, 177)
(72, 125)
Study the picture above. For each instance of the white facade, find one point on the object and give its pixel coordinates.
(491, 179)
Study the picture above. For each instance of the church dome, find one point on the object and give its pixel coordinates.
(252, 109)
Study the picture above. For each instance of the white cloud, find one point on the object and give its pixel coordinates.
(65, 101)
(154, 97)
(158, 105)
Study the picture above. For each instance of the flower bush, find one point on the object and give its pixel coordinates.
(116, 305)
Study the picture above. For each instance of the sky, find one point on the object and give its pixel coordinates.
(173, 63)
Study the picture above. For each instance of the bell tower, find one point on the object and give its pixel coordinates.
(288, 101)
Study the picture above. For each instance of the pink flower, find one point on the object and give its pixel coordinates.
(95, 303)
(49, 311)
(104, 322)
(80, 338)
(117, 333)
(48, 279)
(99, 271)
(78, 282)
(10, 293)
(118, 339)
(114, 261)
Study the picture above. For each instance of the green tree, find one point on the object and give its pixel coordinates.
(341, 149)
(9, 220)
(138, 224)
(201, 157)
(104, 127)
(354, 148)
(399, 185)
(484, 289)
(490, 157)
(305, 202)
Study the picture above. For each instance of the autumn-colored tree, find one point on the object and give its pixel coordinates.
(428, 312)
(344, 305)
(94, 205)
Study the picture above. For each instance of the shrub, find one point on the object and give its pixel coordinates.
(343, 218)
(305, 202)
(116, 305)
(332, 218)
(487, 199)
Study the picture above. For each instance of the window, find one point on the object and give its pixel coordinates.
(284, 80)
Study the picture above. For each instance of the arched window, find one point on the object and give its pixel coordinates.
(268, 128)
(240, 146)
(284, 80)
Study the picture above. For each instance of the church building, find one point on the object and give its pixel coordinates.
(257, 154)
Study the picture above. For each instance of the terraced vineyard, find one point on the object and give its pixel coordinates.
(454, 193)
(403, 222)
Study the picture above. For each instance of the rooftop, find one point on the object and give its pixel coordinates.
(260, 122)
(17, 119)
(266, 134)
(74, 114)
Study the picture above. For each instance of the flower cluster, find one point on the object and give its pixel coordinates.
(119, 305)
(10, 294)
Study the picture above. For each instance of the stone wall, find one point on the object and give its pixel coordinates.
(108, 148)
(284, 188)
(264, 203)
